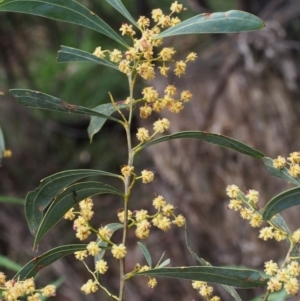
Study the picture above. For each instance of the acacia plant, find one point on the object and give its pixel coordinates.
(141, 55)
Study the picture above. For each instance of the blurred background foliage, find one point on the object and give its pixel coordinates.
(245, 86)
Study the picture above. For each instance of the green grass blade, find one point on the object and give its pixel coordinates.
(11, 200)
(7, 263)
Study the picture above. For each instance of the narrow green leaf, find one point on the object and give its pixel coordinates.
(39, 262)
(11, 200)
(209, 137)
(63, 10)
(164, 263)
(39, 199)
(241, 278)
(35, 99)
(282, 201)
(113, 227)
(67, 199)
(146, 254)
(279, 222)
(68, 54)
(280, 173)
(6, 263)
(96, 123)
(160, 259)
(232, 21)
(2, 145)
(119, 6)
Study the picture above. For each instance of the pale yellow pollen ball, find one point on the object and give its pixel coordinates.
(147, 176)
(161, 125)
(118, 251)
(142, 134)
(49, 290)
(101, 266)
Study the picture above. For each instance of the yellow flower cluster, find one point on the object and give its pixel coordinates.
(90, 287)
(271, 232)
(83, 230)
(285, 277)
(12, 290)
(154, 103)
(159, 126)
(85, 214)
(161, 219)
(119, 251)
(205, 290)
(140, 59)
(293, 161)
(147, 176)
(126, 170)
(246, 204)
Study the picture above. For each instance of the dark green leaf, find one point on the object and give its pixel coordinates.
(63, 10)
(209, 137)
(68, 54)
(11, 200)
(113, 227)
(39, 262)
(119, 6)
(6, 263)
(227, 22)
(282, 201)
(67, 199)
(96, 123)
(39, 199)
(35, 99)
(241, 278)
(280, 173)
(146, 254)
